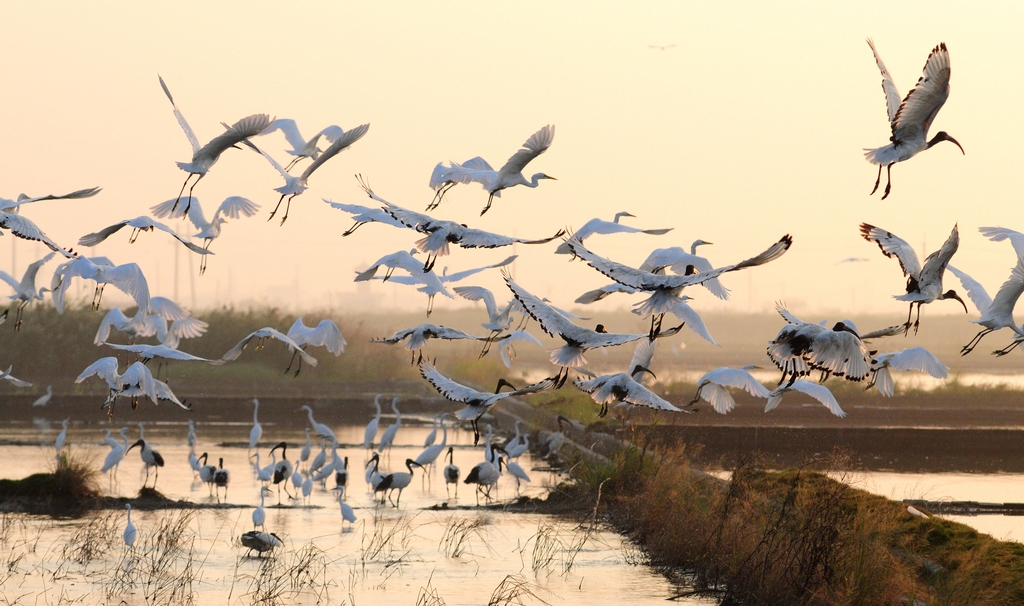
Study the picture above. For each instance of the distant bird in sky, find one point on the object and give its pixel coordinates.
(233, 207)
(262, 335)
(416, 337)
(511, 174)
(138, 224)
(924, 283)
(293, 186)
(25, 290)
(911, 118)
(301, 148)
(205, 156)
(661, 47)
(14, 205)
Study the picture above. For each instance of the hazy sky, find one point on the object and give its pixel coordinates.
(752, 126)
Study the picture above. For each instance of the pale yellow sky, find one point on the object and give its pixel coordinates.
(751, 127)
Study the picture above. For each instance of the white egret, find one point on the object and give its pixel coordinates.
(15, 205)
(293, 186)
(204, 157)
(325, 334)
(371, 428)
(364, 214)
(914, 358)
(307, 449)
(995, 313)
(387, 439)
(233, 207)
(130, 532)
(441, 180)
(511, 174)
(116, 455)
(712, 387)
(259, 515)
(301, 148)
(62, 436)
(816, 391)
(127, 278)
(138, 224)
(430, 453)
(261, 336)
(911, 118)
(432, 436)
(44, 399)
(25, 290)
(416, 337)
(347, 513)
(924, 283)
(600, 227)
(319, 429)
(257, 430)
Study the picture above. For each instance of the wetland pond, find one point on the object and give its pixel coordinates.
(413, 554)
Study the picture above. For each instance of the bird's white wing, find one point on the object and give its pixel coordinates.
(819, 393)
(719, 398)
(163, 392)
(96, 237)
(788, 316)
(550, 320)
(105, 368)
(325, 334)
(6, 375)
(240, 131)
(290, 130)
(643, 280)
(977, 293)
(737, 377)
(631, 393)
(476, 238)
(188, 328)
(479, 293)
(167, 309)
(935, 264)
(537, 144)
(181, 119)
(892, 95)
(335, 148)
(264, 333)
(130, 279)
(998, 234)
(235, 207)
(920, 359)
(28, 281)
(507, 342)
(332, 133)
(918, 109)
(692, 319)
(171, 210)
(893, 246)
(6, 277)
(597, 294)
(26, 229)
(889, 331)
(159, 351)
(455, 392)
(455, 277)
(1008, 294)
(113, 318)
(643, 354)
(189, 245)
(81, 193)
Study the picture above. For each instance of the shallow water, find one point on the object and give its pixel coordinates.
(393, 554)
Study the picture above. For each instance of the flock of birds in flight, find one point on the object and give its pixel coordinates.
(800, 347)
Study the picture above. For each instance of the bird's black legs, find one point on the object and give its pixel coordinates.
(888, 180)
(696, 396)
(1007, 349)
(966, 349)
(178, 200)
(490, 198)
(877, 181)
(274, 212)
(352, 229)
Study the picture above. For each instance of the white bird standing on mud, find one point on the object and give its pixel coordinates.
(911, 118)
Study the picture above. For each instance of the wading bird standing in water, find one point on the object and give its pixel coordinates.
(911, 118)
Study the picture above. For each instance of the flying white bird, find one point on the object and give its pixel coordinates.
(511, 174)
(924, 284)
(416, 337)
(233, 207)
(136, 381)
(15, 205)
(497, 320)
(838, 351)
(261, 336)
(27, 230)
(138, 224)
(44, 399)
(995, 313)
(293, 186)
(577, 338)
(442, 233)
(914, 358)
(205, 156)
(998, 234)
(161, 310)
(602, 227)
(911, 118)
(477, 402)
(441, 180)
(623, 387)
(712, 387)
(325, 334)
(816, 391)
(127, 278)
(665, 289)
(364, 214)
(301, 148)
(25, 291)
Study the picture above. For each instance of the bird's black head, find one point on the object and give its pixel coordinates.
(843, 326)
(220, 462)
(944, 136)
(503, 383)
(282, 445)
(641, 369)
(600, 328)
(951, 294)
(140, 442)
